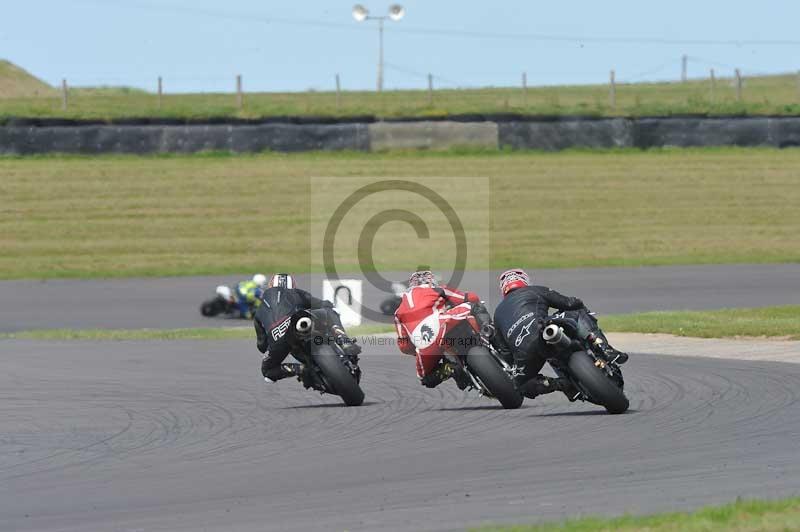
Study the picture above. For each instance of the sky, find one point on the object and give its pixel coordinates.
(298, 45)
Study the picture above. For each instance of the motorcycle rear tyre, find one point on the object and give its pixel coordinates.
(596, 383)
(338, 376)
(491, 374)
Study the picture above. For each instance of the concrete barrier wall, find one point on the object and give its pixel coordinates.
(432, 135)
(651, 133)
(514, 133)
(561, 134)
(183, 139)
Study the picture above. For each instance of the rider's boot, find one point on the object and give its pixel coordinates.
(540, 385)
(602, 348)
(441, 373)
(274, 374)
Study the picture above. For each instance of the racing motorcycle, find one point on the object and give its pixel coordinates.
(327, 368)
(390, 304)
(578, 356)
(482, 367)
(223, 303)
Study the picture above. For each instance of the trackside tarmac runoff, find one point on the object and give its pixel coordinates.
(170, 303)
(184, 436)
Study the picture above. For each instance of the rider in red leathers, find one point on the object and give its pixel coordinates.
(428, 316)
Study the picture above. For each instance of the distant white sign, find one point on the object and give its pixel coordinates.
(345, 294)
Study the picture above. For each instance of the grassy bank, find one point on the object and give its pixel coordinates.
(761, 95)
(742, 516)
(212, 214)
(210, 333)
(783, 322)
(768, 321)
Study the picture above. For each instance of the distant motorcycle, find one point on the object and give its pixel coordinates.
(224, 303)
(595, 378)
(390, 304)
(327, 368)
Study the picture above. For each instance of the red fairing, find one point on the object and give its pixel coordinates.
(417, 306)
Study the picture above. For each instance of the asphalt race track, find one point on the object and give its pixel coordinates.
(184, 436)
(174, 302)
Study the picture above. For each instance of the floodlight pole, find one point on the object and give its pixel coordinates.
(380, 53)
(360, 13)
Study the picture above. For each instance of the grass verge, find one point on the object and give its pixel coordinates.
(210, 333)
(115, 216)
(742, 516)
(781, 321)
(775, 94)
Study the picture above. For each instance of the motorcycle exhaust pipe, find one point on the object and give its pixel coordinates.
(304, 326)
(554, 335)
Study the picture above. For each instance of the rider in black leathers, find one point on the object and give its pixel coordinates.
(519, 320)
(280, 300)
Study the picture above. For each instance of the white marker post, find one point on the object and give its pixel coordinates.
(345, 294)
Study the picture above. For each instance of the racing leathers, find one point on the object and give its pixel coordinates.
(248, 296)
(426, 317)
(277, 305)
(519, 320)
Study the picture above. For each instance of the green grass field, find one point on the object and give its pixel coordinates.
(775, 322)
(783, 322)
(182, 215)
(778, 94)
(244, 332)
(740, 516)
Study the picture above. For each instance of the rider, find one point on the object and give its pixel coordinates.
(418, 325)
(248, 294)
(281, 299)
(520, 318)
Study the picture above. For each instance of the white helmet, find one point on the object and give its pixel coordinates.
(224, 292)
(260, 279)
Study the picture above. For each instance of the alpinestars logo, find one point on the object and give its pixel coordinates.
(426, 333)
(523, 333)
(280, 329)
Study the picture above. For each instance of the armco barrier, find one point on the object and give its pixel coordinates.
(513, 132)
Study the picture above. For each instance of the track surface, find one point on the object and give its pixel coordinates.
(174, 303)
(185, 436)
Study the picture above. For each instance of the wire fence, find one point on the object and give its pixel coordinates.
(721, 88)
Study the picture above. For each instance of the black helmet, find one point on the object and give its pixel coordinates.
(281, 280)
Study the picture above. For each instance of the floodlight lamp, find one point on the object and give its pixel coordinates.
(360, 13)
(396, 12)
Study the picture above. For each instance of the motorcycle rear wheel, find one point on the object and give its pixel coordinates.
(338, 376)
(596, 383)
(491, 374)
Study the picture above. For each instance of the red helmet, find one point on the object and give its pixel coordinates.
(511, 280)
(422, 277)
(282, 280)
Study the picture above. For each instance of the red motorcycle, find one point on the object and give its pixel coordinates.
(455, 334)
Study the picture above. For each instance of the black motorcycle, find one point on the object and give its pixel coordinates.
(391, 303)
(577, 355)
(224, 304)
(327, 368)
(217, 306)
